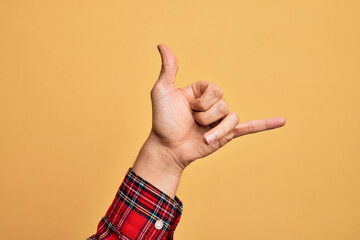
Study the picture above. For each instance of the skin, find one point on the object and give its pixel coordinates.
(183, 121)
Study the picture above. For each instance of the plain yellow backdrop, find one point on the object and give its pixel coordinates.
(75, 81)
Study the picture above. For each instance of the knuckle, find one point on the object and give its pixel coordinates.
(201, 84)
(202, 107)
(199, 118)
(250, 127)
(153, 92)
(199, 103)
(155, 89)
(218, 92)
(223, 107)
(235, 117)
(158, 88)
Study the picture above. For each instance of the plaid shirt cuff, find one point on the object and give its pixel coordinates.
(140, 211)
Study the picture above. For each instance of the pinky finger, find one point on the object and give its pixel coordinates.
(255, 126)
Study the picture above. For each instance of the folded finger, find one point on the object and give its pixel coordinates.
(206, 94)
(227, 125)
(217, 111)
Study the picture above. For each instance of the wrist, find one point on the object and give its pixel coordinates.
(158, 165)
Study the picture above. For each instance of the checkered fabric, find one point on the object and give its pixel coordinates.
(138, 205)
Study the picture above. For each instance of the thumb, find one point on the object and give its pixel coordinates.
(169, 65)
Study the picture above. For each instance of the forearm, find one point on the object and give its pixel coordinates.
(155, 163)
(139, 211)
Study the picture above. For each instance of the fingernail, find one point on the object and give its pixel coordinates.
(210, 138)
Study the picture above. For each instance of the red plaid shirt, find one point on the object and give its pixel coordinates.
(139, 211)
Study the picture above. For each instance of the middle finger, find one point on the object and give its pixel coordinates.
(217, 111)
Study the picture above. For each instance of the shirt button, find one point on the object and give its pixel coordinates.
(159, 224)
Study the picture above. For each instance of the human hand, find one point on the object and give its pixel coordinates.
(189, 123)
(194, 121)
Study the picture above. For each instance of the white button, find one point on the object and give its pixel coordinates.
(159, 224)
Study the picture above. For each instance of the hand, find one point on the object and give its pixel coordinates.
(191, 122)
(194, 121)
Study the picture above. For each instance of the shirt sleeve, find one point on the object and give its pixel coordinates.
(139, 211)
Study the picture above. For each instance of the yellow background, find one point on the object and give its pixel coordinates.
(75, 81)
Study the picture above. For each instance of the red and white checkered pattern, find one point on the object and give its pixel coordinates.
(134, 211)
